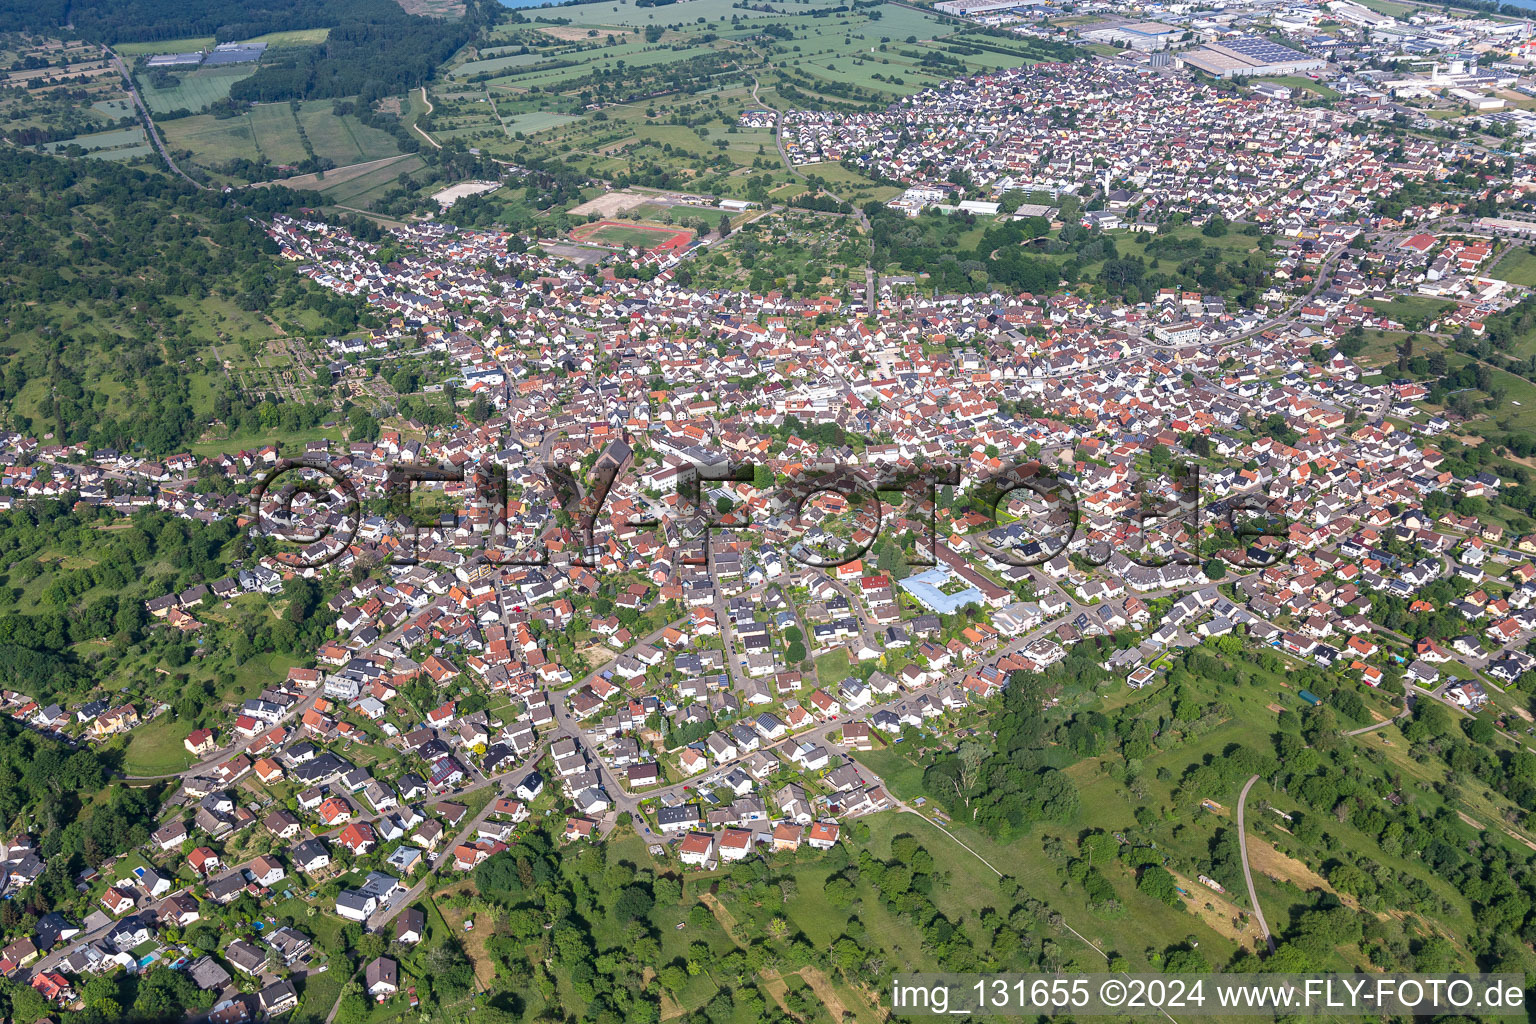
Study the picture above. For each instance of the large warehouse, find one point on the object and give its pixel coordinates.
(1145, 35)
(1250, 55)
(976, 8)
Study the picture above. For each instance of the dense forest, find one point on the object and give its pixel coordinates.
(374, 49)
(120, 21)
(591, 927)
(384, 53)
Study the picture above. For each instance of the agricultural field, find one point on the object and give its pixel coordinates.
(211, 141)
(627, 14)
(275, 134)
(149, 49)
(196, 90)
(30, 113)
(579, 84)
(343, 140)
(537, 121)
(362, 190)
(96, 114)
(118, 144)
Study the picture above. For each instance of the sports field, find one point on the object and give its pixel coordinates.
(632, 236)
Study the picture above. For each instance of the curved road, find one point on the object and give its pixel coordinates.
(1242, 842)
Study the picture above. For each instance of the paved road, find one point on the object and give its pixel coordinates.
(1242, 841)
(149, 122)
(237, 748)
(382, 917)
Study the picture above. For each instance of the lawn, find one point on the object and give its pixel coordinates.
(212, 141)
(1413, 311)
(117, 144)
(537, 121)
(1380, 348)
(294, 37)
(1299, 83)
(155, 748)
(361, 191)
(491, 65)
(317, 994)
(1519, 409)
(1519, 267)
(276, 133)
(832, 668)
(628, 13)
(271, 132)
(900, 766)
(343, 140)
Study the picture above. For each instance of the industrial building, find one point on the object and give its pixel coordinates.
(1143, 35)
(235, 53)
(974, 8)
(1249, 55)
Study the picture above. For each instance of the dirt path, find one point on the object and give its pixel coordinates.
(1520, 838)
(1272, 862)
(820, 984)
(417, 127)
(669, 1008)
(727, 921)
(773, 984)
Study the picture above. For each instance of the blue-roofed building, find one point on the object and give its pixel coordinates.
(928, 587)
